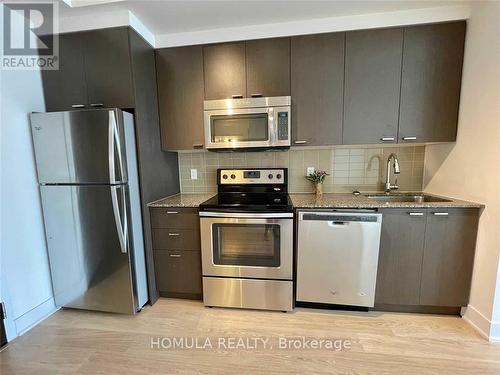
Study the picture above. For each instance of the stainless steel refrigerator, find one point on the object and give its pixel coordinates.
(87, 171)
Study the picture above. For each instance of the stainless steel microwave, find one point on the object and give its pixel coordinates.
(250, 123)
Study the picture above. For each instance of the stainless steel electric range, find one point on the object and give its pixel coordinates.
(247, 240)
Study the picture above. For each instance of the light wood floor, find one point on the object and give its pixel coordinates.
(77, 342)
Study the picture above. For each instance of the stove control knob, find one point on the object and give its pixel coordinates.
(278, 176)
(270, 176)
(224, 177)
(233, 176)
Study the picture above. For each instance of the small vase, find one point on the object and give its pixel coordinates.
(319, 189)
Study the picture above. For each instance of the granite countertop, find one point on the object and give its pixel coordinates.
(327, 200)
(181, 200)
(335, 200)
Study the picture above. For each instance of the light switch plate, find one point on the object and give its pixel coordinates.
(194, 174)
(309, 170)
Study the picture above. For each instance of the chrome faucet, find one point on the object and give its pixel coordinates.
(388, 186)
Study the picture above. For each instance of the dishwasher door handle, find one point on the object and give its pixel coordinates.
(338, 223)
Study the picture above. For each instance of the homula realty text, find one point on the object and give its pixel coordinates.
(249, 343)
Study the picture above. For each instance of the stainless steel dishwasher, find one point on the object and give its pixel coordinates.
(337, 257)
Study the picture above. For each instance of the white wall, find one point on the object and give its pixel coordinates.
(470, 168)
(25, 277)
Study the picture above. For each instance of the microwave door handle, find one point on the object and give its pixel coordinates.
(272, 126)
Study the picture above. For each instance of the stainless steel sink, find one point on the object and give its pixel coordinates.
(415, 198)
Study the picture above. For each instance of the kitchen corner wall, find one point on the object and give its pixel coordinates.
(353, 168)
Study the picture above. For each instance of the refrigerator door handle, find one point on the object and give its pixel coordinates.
(111, 147)
(120, 220)
(114, 142)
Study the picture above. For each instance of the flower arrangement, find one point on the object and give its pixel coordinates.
(317, 179)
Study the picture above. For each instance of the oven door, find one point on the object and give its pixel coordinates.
(254, 246)
(239, 128)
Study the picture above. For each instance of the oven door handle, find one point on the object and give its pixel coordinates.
(249, 215)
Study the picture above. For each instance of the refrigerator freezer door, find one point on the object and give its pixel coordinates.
(80, 147)
(89, 246)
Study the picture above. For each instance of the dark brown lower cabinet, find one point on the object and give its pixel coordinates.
(178, 273)
(177, 251)
(426, 259)
(450, 241)
(164, 239)
(400, 257)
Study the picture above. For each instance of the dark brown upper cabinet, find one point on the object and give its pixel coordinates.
(66, 87)
(247, 69)
(95, 71)
(224, 70)
(431, 81)
(108, 70)
(268, 67)
(317, 80)
(372, 85)
(450, 241)
(180, 97)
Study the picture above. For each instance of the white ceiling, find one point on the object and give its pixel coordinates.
(169, 17)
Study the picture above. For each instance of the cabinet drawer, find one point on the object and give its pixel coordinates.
(175, 218)
(176, 239)
(178, 271)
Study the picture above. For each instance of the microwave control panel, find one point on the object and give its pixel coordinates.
(283, 126)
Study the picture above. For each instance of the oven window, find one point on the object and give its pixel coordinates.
(246, 244)
(239, 128)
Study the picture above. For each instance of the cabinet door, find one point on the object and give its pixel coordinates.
(65, 89)
(224, 70)
(400, 257)
(450, 242)
(431, 80)
(180, 97)
(268, 67)
(317, 79)
(107, 65)
(372, 85)
(178, 271)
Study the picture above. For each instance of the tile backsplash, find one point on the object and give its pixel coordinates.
(353, 168)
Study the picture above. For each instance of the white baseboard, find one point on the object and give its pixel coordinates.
(31, 318)
(490, 330)
(495, 331)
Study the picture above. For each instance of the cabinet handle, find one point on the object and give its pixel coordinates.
(440, 213)
(173, 234)
(96, 105)
(387, 139)
(239, 96)
(172, 212)
(256, 95)
(77, 105)
(300, 142)
(409, 138)
(198, 145)
(416, 213)
(175, 255)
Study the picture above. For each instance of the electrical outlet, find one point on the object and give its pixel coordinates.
(309, 170)
(194, 174)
